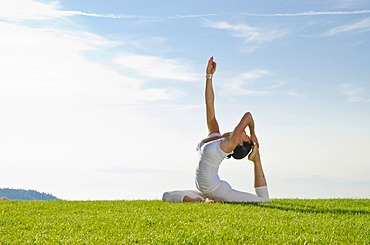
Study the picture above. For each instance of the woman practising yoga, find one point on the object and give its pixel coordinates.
(214, 149)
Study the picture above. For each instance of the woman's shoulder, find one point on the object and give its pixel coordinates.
(209, 138)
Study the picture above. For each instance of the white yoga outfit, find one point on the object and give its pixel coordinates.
(208, 181)
(178, 196)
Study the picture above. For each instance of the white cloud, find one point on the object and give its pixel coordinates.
(20, 10)
(45, 61)
(253, 37)
(275, 85)
(293, 93)
(30, 10)
(353, 93)
(108, 15)
(179, 16)
(357, 27)
(252, 83)
(157, 67)
(311, 13)
(52, 97)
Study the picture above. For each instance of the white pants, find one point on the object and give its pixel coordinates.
(227, 194)
(223, 193)
(178, 196)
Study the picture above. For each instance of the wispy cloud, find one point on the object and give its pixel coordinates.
(157, 67)
(35, 10)
(19, 10)
(48, 69)
(353, 93)
(310, 13)
(45, 61)
(293, 93)
(107, 15)
(252, 36)
(253, 83)
(357, 27)
(30, 10)
(189, 16)
(41, 60)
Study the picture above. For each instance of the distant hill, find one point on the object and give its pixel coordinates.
(19, 194)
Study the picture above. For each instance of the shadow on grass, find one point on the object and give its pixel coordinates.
(303, 208)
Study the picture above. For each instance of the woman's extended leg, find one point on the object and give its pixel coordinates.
(259, 176)
(260, 183)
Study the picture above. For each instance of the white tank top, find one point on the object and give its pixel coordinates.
(210, 158)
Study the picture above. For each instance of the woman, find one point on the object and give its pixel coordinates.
(215, 148)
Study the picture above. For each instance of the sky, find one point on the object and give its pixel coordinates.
(104, 100)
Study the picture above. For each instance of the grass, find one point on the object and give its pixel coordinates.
(281, 221)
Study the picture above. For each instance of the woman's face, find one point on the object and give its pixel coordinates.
(244, 138)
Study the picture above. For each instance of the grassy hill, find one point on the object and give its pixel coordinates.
(281, 221)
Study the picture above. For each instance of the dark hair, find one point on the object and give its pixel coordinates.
(241, 151)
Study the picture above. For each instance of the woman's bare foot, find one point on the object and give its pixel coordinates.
(255, 154)
(208, 200)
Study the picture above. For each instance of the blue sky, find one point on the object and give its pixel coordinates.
(104, 99)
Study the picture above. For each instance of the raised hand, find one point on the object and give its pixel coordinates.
(211, 67)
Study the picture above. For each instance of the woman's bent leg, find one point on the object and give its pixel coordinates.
(183, 196)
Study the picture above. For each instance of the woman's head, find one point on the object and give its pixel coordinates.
(241, 151)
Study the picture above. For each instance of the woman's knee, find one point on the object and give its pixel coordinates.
(166, 196)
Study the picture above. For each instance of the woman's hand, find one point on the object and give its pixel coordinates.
(255, 140)
(211, 67)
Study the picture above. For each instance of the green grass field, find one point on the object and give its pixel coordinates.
(281, 221)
